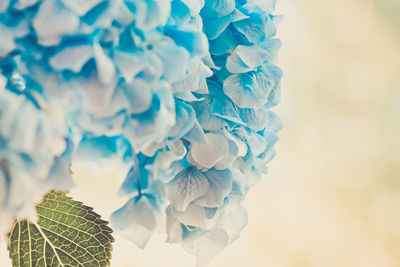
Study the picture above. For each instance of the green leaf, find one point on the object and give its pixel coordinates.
(67, 233)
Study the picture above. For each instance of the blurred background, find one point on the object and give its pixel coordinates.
(332, 195)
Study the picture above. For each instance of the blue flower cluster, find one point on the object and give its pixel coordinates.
(179, 90)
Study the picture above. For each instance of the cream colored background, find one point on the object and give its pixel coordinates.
(332, 196)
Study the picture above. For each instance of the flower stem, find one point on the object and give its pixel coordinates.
(136, 166)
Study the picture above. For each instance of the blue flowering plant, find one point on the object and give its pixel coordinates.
(179, 92)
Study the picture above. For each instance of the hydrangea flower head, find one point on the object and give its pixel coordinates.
(179, 91)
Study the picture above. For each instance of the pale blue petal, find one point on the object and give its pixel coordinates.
(95, 147)
(187, 96)
(4, 5)
(184, 120)
(174, 228)
(130, 64)
(52, 21)
(222, 106)
(137, 94)
(210, 245)
(187, 186)
(233, 219)
(256, 143)
(234, 64)
(7, 40)
(196, 216)
(105, 66)
(205, 118)
(194, 6)
(226, 162)
(81, 7)
(253, 56)
(196, 134)
(220, 187)
(136, 220)
(254, 119)
(274, 122)
(248, 90)
(175, 60)
(60, 175)
(207, 155)
(130, 184)
(237, 15)
(72, 58)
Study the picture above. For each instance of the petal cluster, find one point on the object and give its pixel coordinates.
(34, 154)
(180, 91)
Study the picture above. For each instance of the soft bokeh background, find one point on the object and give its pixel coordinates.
(332, 196)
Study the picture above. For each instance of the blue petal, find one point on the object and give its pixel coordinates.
(180, 12)
(130, 184)
(224, 43)
(92, 147)
(216, 9)
(214, 27)
(189, 38)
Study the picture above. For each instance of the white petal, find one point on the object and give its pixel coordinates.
(232, 220)
(210, 245)
(194, 215)
(52, 21)
(137, 234)
(105, 66)
(72, 58)
(174, 228)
